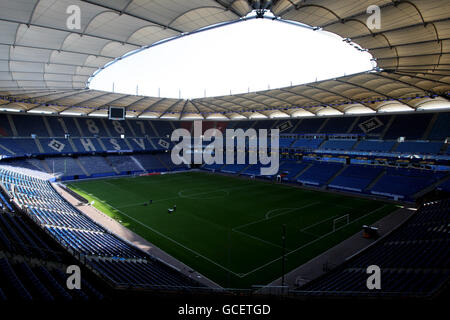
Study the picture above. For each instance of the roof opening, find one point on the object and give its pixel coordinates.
(248, 56)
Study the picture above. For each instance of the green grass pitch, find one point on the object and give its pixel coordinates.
(227, 228)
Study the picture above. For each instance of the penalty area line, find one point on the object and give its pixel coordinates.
(313, 241)
(277, 215)
(168, 238)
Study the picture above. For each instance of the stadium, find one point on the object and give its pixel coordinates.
(94, 207)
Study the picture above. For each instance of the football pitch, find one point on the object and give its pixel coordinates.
(230, 229)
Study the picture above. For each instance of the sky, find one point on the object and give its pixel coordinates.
(247, 56)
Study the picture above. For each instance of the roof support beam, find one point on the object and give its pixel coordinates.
(343, 96)
(44, 95)
(170, 108)
(47, 102)
(91, 99)
(115, 100)
(153, 104)
(126, 6)
(64, 109)
(228, 7)
(276, 98)
(404, 73)
(256, 101)
(414, 56)
(418, 65)
(423, 70)
(407, 44)
(205, 106)
(209, 104)
(376, 92)
(70, 95)
(378, 74)
(401, 28)
(56, 64)
(59, 50)
(12, 102)
(123, 11)
(182, 110)
(246, 109)
(24, 91)
(71, 31)
(322, 104)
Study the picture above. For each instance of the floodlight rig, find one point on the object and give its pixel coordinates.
(261, 7)
(260, 13)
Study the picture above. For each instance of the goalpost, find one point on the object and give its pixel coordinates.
(345, 218)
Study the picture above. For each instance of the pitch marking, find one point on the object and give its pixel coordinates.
(313, 241)
(280, 214)
(166, 237)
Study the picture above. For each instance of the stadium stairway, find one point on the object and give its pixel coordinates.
(39, 145)
(444, 148)
(74, 147)
(355, 146)
(321, 144)
(82, 167)
(151, 142)
(352, 126)
(45, 166)
(243, 170)
(301, 172)
(48, 127)
(12, 125)
(102, 145)
(430, 126)
(374, 182)
(414, 260)
(388, 126)
(128, 144)
(294, 128)
(163, 163)
(432, 187)
(7, 149)
(323, 125)
(154, 129)
(395, 146)
(138, 163)
(108, 161)
(335, 176)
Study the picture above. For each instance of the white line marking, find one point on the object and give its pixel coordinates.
(186, 196)
(242, 275)
(311, 242)
(317, 223)
(259, 239)
(164, 236)
(279, 209)
(265, 219)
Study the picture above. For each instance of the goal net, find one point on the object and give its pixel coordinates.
(341, 222)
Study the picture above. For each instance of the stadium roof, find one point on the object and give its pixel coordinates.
(45, 66)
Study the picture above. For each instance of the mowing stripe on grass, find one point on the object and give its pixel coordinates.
(259, 239)
(191, 195)
(240, 207)
(164, 236)
(311, 242)
(277, 215)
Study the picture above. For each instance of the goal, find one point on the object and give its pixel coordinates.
(341, 222)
